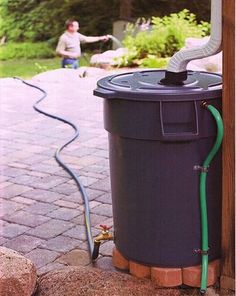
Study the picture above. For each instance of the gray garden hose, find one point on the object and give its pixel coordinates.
(65, 166)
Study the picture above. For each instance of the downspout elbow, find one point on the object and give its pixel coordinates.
(176, 71)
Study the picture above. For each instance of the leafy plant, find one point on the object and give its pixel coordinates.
(28, 50)
(161, 39)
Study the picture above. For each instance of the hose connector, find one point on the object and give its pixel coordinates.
(103, 236)
(204, 104)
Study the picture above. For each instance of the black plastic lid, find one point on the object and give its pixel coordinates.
(146, 85)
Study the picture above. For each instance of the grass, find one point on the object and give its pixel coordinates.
(27, 68)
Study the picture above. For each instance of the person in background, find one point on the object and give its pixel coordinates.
(68, 46)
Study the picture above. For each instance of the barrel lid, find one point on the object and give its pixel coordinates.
(146, 85)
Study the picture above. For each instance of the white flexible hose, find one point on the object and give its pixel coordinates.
(179, 60)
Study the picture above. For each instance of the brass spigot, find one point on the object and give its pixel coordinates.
(104, 235)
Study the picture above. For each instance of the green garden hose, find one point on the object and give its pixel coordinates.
(203, 205)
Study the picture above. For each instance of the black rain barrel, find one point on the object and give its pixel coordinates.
(157, 136)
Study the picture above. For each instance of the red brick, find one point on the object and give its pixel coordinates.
(192, 275)
(139, 270)
(119, 261)
(166, 277)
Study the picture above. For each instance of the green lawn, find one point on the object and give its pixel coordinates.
(26, 68)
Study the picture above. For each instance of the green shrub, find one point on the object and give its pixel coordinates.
(166, 36)
(151, 61)
(26, 50)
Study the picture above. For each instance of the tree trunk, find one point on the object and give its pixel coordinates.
(125, 9)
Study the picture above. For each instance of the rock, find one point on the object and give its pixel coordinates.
(85, 281)
(17, 274)
(210, 64)
(69, 75)
(107, 58)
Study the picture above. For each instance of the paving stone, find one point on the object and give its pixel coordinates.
(23, 243)
(106, 248)
(43, 195)
(65, 214)
(3, 223)
(48, 169)
(92, 175)
(60, 244)
(26, 218)
(79, 232)
(104, 263)
(36, 149)
(105, 221)
(75, 258)
(65, 188)
(74, 197)
(105, 198)
(51, 229)
(41, 208)
(104, 162)
(93, 193)
(62, 173)
(103, 185)
(95, 219)
(88, 160)
(103, 209)
(85, 180)
(8, 207)
(96, 143)
(41, 257)
(36, 158)
(3, 178)
(3, 240)
(5, 184)
(18, 155)
(26, 180)
(106, 172)
(95, 168)
(93, 204)
(13, 190)
(13, 172)
(20, 165)
(83, 245)
(49, 182)
(69, 159)
(38, 174)
(23, 200)
(49, 267)
(102, 153)
(12, 230)
(66, 204)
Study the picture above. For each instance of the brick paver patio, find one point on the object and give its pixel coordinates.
(41, 208)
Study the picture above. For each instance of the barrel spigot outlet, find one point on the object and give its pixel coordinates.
(103, 236)
(204, 104)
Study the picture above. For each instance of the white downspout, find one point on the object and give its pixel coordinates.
(179, 61)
